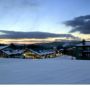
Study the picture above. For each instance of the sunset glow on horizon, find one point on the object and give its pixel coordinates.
(25, 41)
(45, 40)
(20, 17)
(28, 41)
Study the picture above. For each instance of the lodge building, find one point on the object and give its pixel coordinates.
(83, 51)
(7, 52)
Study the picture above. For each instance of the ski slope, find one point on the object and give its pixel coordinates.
(60, 70)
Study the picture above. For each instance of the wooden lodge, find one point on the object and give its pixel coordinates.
(29, 53)
(7, 52)
(83, 51)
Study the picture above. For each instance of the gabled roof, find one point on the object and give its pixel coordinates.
(43, 52)
(86, 44)
(3, 47)
(13, 52)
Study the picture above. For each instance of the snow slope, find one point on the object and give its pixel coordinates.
(60, 70)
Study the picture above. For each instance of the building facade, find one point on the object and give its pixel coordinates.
(83, 51)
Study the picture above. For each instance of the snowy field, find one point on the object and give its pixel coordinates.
(60, 70)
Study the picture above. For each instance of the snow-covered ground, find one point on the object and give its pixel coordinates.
(60, 70)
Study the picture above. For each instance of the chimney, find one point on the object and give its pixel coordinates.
(83, 42)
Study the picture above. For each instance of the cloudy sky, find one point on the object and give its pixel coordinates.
(53, 16)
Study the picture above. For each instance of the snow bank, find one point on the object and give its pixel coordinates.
(60, 70)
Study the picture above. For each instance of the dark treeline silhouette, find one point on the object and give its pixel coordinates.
(35, 47)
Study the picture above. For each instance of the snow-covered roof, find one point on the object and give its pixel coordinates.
(2, 47)
(86, 51)
(66, 44)
(13, 52)
(61, 49)
(86, 44)
(43, 52)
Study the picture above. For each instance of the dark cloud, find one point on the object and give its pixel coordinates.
(37, 35)
(81, 24)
